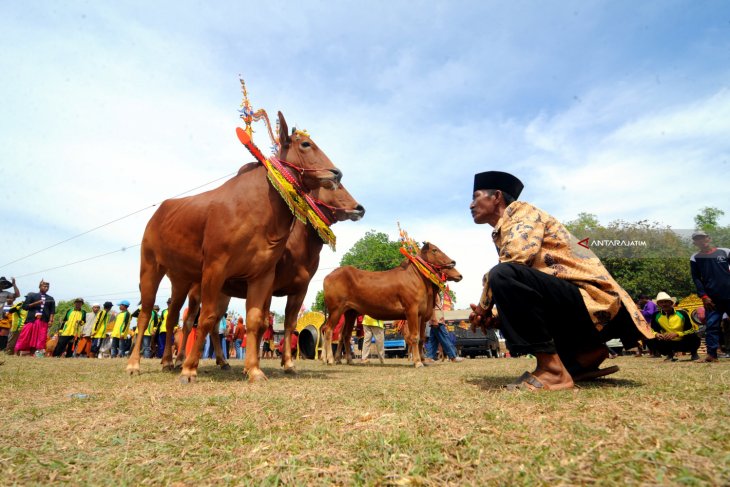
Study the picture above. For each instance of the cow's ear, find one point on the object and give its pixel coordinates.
(284, 138)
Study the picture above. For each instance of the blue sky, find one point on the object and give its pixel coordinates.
(620, 109)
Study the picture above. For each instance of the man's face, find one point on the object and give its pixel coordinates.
(643, 301)
(77, 305)
(702, 243)
(483, 206)
(95, 309)
(44, 287)
(666, 305)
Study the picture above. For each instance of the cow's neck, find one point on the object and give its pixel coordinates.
(305, 245)
(282, 219)
(429, 286)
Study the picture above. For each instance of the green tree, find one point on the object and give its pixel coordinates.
(659, 261)
(318, 304)
(373, 252)
(586, 222)
(707, 220)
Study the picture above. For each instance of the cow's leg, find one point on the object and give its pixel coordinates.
(222, 306)
(346, 333)
(340, 348)
(259, 293)
(210, 286)
(150, 275)
(179, 293)
(326, 330)
(345, 338)
(413, 336)
(422, 336)
(186, 329)
(193, 306)
(293, 305)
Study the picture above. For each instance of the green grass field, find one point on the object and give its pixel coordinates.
(653, 423)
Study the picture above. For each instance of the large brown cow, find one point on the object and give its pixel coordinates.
(294, 271)
(238, 230)
(396, 294)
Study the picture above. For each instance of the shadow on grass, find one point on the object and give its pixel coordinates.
(496, 383)
(235, 373)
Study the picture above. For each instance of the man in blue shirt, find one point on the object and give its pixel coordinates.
(710, 269)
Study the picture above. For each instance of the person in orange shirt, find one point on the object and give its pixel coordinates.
(239, 336)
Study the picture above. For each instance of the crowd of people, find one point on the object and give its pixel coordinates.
(102, 331)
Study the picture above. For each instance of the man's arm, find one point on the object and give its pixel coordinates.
(15, 288)
(697, 277)
(689, 327)
(27, 304)
(657, 327)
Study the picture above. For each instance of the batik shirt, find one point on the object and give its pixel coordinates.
(527, 235)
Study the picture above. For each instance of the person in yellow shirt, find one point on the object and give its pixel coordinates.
(162, 332)
(150, 332)
(83, 344)
(70, 328)
(675, 330)
(121, 326)
(98, 331)
(6, 321)
(18, 315)
(373, 328)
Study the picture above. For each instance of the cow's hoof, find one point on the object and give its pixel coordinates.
(187, 379)
(338, 362)
(291, 371)
(167, 367)
(256, 375)
(132, 369)
(226, 366)
(418, 364)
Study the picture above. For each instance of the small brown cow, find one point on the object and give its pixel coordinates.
(395, 294)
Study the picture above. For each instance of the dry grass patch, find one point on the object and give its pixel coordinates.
(652, 423)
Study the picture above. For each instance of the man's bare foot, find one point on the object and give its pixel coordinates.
(551, 373)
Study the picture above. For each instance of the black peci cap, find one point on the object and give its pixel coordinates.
(498, 180)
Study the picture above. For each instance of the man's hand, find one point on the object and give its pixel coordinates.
(708, 304)
(482, 318)
(477, 316)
